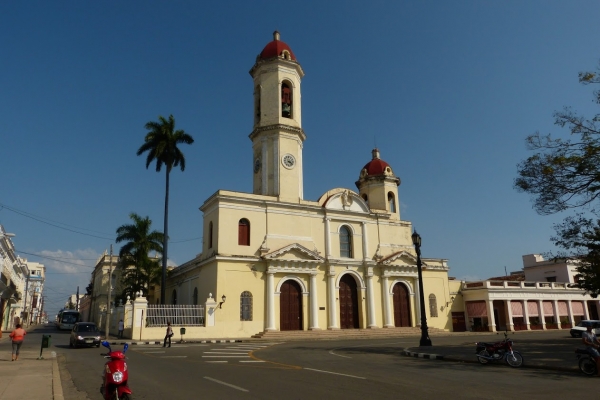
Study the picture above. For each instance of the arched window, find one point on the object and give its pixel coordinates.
(345, 242)
(174, 297)
(257, 105)
(286, 100)
(210, 235)
(432, 306)
(391, 202)
(246, 306)
(244, 232)
(195, 297)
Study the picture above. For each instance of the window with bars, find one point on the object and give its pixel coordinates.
(345, 242)
(432, 306)
(246, 306)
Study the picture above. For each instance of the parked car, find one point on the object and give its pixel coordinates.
(578, 329)
(85, 334)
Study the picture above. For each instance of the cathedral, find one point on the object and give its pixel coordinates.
(278, 262)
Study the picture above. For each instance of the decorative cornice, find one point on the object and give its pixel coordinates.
(294, 246)
(278, 127)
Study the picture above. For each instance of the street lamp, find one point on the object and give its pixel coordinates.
(425, 341)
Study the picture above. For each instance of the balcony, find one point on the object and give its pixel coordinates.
(520, 285)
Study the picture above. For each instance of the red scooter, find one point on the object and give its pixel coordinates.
(114, 385)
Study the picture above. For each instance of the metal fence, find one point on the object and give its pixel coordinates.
(177, 315)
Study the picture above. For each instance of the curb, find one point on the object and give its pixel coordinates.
(408, 353)
(184, 342)
(57, 391)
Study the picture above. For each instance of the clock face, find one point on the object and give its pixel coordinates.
(256, 165)
(288, 161)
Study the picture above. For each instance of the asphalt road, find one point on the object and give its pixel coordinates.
(360, 369)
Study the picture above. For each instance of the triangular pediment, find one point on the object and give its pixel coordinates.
(294, 251)
(400, 258)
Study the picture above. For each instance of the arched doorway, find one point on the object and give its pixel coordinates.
(401, 305)
(290, 306)
(348, 303)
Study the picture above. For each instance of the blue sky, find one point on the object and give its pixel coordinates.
(447, 91)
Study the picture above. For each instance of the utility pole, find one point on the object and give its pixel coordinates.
(77, 300)
(25, 315)
(108, 298)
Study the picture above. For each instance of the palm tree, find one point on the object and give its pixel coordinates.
(140, 241)
(161, 144)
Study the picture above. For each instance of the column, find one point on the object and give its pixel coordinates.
(557, 314)
(541, 314)
(331, 304)
(511, 324)
(526, 315)
(586, 313)
(270, 301)
(490, 311)
(365, 247)
(372, 323)
(327, 238)
(314, 308)
(417, 302)
(571, 317)
(385, 290)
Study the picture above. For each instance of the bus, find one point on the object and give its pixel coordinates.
(66, 319)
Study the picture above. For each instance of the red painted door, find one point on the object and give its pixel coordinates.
(401, 306)
(348, 303)
(290, 307)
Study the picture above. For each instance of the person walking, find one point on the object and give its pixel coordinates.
(17, 336)
(168, 335)
(121, 328)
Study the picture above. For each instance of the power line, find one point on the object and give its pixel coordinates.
(54, 259)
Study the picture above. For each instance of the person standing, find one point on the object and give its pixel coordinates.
(17, 336)
(121, 328)
(168, 335)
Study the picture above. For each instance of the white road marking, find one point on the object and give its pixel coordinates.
(339, 355)
(251, 361)
(226, 356)
(226, 384)
(335, 373)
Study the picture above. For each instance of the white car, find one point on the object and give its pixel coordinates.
(578, 329)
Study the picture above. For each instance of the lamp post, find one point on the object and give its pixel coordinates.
(425, 341)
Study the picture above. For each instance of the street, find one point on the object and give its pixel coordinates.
(354, 369)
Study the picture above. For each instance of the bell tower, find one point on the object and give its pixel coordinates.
(277, 137)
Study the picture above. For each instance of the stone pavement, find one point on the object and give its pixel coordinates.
(29, 377)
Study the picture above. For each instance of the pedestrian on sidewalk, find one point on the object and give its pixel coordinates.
(168, 335)
(121, 327)
(17, 336)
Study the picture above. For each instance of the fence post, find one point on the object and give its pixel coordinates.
(140, 305)
(211, 306)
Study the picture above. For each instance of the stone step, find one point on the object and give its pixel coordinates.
(343, 333)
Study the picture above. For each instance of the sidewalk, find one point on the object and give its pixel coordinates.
(540, 352)
(28, 378)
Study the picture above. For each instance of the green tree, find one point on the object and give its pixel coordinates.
(139, 242)
(161, 144)
(565, 174)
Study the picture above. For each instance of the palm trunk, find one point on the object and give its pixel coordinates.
(165, 240)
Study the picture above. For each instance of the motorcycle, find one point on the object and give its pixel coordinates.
(502, 350)
(114, 385)
(587, 364)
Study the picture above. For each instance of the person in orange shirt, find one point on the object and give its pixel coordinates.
(17, 336)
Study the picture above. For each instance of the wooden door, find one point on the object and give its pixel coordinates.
(458, 322)
(348, 303)
(290, 307)
(401, 306)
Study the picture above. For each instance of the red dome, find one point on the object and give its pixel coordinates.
(376, 166)
(275, 49)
